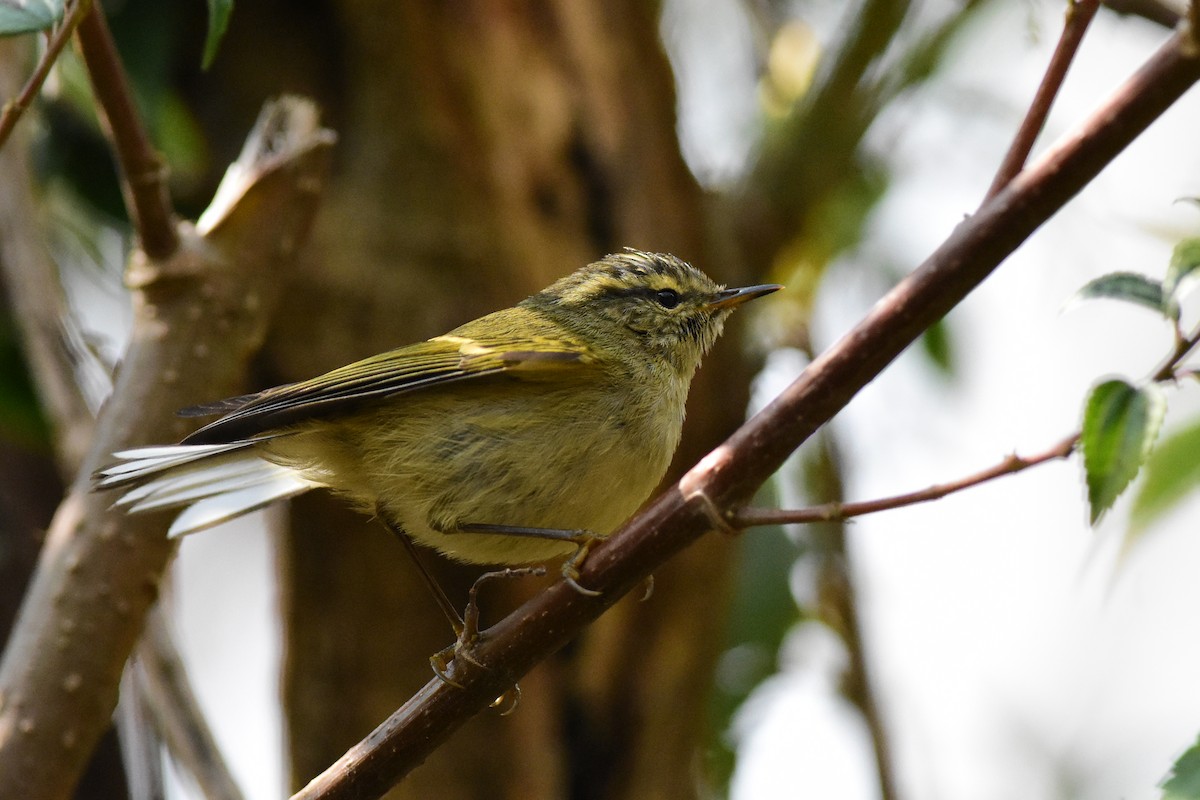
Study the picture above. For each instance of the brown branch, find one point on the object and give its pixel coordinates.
(1183, 346)
(144, 173)
(16, 107)
(729, 475)
(1153, 10)
(1079, 16)
(198, 318)
(827, 512)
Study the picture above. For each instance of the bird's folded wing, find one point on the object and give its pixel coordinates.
(422, 366)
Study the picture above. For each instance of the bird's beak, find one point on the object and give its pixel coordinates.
(731, 298)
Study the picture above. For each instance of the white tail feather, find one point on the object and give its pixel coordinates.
(143, 462)
(212, 483)
(224, 507)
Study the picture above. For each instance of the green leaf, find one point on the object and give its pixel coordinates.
(1132, 288)
(218, 21)
(1120, 423)
(937, 346)
(1172, 471)
(24, 16)
(1185, 260)
(1184, 781)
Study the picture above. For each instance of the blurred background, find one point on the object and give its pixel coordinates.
(988, 645)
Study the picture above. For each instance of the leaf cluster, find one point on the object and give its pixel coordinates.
(1121, 420)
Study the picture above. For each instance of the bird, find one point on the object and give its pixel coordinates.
(519, 437)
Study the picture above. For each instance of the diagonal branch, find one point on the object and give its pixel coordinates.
(1079, 16)
(729, 476)
(1156, 11)
(16, 107)
(143, 171)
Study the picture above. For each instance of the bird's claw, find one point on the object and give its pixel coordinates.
(508, 702)
(570, 567)
(468, 630)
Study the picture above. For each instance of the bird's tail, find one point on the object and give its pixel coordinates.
(213, 483)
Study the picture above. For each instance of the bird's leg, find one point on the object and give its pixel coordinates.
(464, 637)
(435, 588)
(469, 635)
(584, 540)
(466, 627)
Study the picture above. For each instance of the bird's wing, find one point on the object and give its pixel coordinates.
(437, 362)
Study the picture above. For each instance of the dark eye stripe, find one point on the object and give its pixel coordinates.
(667, 298)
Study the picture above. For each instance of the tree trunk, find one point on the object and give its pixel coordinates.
(488, 148)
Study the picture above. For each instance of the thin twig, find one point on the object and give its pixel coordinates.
(1079, 16)
(1153, 10)
(1183, 346)
(731, 473)
(144, 173)
(1193, 29)
(751, 517)
(176, 712)
(16, 107)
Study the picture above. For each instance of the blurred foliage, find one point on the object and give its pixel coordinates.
(811, 189)
(218, 21)
(72, 148)
(937, 346)
(24, 16)
(1184, 781)
(760, 616)
(811, 165)
(1172, 473)
(21, 419)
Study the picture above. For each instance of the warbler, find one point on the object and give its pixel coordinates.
(513, 439)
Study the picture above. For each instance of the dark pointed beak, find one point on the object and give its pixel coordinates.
(732, 298)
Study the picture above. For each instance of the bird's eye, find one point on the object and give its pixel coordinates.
(667, 298)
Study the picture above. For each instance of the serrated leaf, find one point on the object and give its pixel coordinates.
(1185, 260)
(1172, 471)
(1184, 781)
(1132, 288)
(1120, 424)
(25, 16)
(218, 21)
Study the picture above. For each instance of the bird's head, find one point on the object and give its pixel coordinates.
(645, 303)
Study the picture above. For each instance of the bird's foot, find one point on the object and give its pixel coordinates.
(446, 663)
(570, 568)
